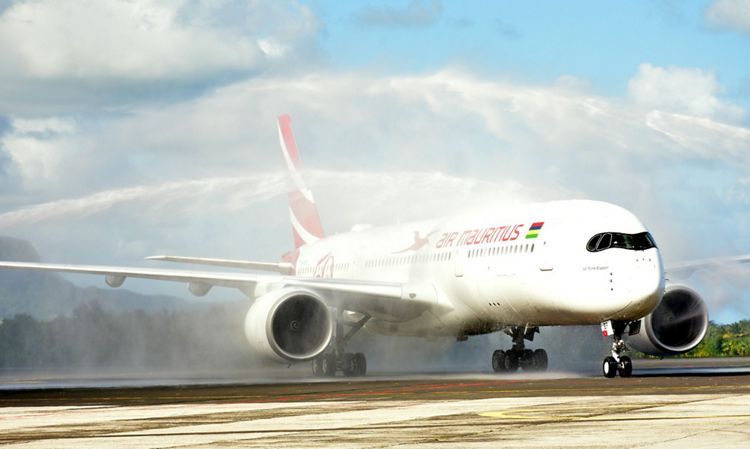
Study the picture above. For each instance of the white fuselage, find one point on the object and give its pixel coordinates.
(495, 268)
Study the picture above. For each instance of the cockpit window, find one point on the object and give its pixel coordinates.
(605, 242)
(636, 242)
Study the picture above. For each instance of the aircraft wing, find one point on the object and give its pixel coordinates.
(685, 269)
(385, 299)
(115, 276)
(281, 267)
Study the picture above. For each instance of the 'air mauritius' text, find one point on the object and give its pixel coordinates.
(479, 236)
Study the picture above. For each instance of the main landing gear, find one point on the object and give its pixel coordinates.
(616, 363)
(350, 364)
(518, 356)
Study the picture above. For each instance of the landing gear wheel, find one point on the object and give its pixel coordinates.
(511, 361)
(540, 360)
(328, 365)
(609, 367)
(527, 360)
(626, 366)
(360, 364)
(518, 356)
(498, 361)
(617, 363)
(348, 365)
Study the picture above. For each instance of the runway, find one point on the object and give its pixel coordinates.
(678, 409)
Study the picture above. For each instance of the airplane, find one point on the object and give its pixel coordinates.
(498, 269)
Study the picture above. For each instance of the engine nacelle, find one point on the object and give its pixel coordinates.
(677, 324)
(289, 325)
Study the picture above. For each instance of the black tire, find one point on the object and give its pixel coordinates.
(540, 360)
(626, 366)
(511, 361)
(526, 361)
(348, 365)
(328, 365)
(360, 364)
(609, 367)
(498, 361)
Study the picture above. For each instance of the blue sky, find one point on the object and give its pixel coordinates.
(131, 128)
(600, 42)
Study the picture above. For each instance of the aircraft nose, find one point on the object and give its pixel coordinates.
(641, 286)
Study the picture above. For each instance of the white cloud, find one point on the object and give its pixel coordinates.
(54, 125)
(138, 39)
(92, 48)
(272, 48)
(732, 14)
(682, 91)
(448, 121)
(34, 149)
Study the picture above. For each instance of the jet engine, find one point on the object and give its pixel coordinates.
(289, 325)
(677, 324)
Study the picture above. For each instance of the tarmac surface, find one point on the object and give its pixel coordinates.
(686, 404)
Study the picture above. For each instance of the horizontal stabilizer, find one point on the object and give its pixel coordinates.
(279, 267)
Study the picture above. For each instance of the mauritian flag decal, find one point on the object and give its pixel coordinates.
(534, 230)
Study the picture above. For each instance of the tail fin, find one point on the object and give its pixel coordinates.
(306, 226)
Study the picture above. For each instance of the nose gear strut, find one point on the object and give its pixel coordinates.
(616, 363)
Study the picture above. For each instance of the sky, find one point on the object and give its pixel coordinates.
(140, 127)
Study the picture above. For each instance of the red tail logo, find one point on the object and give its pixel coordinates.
(306, 226)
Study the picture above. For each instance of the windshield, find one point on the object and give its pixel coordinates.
(636, 242)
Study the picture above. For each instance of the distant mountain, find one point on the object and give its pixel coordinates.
(46, 295)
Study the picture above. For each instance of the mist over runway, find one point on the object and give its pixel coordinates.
(698, 404)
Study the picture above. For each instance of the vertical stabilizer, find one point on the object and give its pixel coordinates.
(306, 226)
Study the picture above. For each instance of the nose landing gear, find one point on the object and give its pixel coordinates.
(611, 366)
(616, 364)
